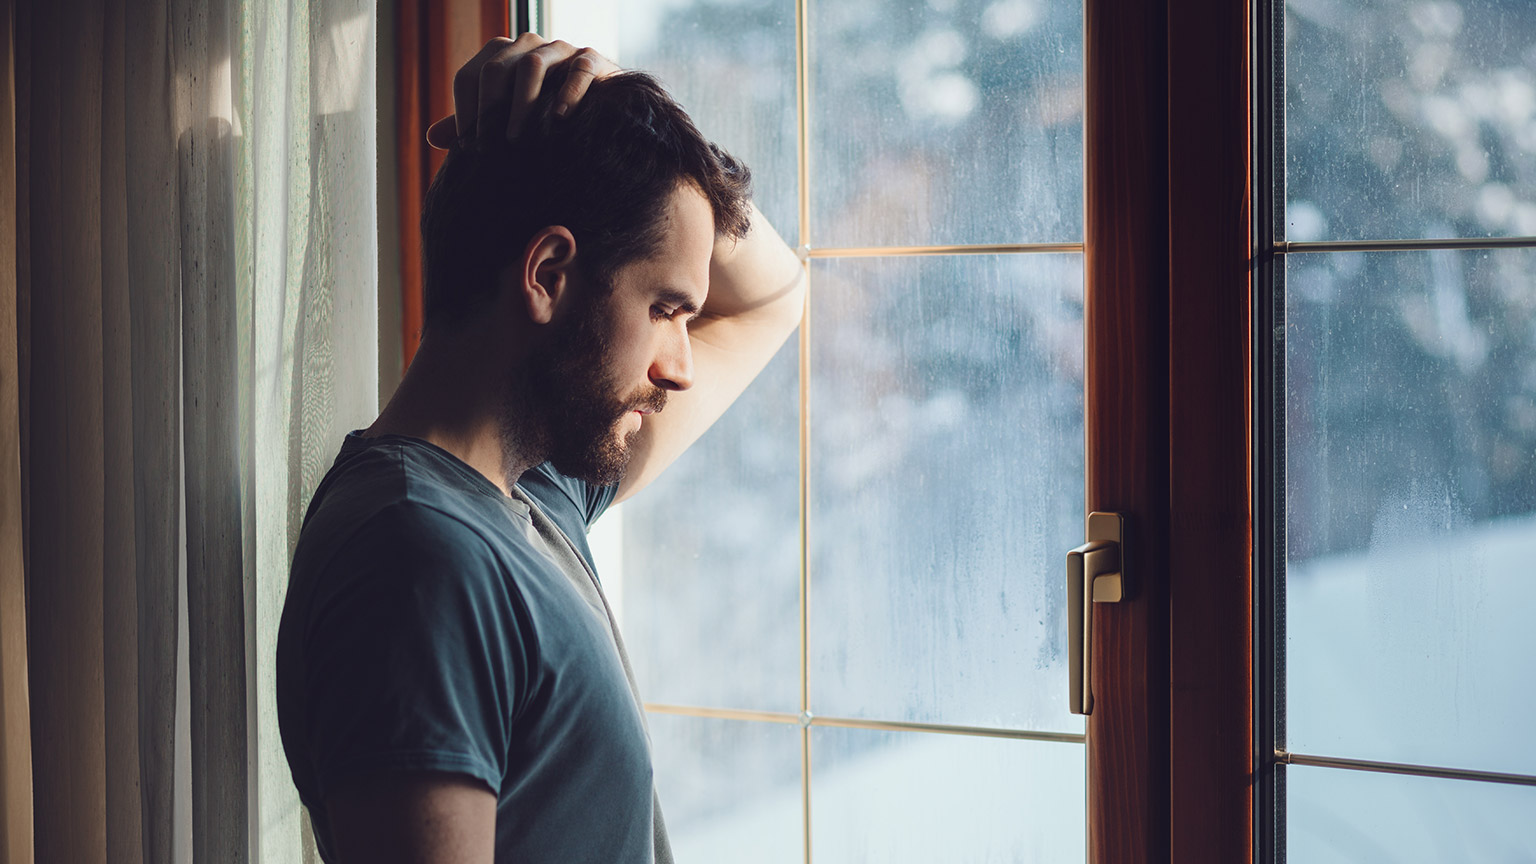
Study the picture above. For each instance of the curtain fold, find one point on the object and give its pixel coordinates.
(15, 723)
(120, 630)
(150, 223)
(66, 461)
(194, 329)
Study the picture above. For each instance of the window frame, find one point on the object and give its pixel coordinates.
(1174, 782)
(1268, 459)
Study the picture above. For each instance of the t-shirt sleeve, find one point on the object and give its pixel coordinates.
(591, 500)
(414, 659)
(598, 499)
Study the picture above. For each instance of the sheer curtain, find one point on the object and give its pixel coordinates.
(195, 327)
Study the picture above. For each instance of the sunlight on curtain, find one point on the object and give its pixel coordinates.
(196, 328)
(307, 252)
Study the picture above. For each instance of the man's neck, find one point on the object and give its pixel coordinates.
(454, 397)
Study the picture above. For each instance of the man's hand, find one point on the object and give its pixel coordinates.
(508, 74)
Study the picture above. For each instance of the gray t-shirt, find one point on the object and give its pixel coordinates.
(433, 623)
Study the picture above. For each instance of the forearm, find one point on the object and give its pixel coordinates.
(756, 280)
(756, 299)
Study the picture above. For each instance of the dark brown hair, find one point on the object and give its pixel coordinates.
(604, 171)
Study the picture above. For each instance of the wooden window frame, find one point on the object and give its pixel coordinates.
(1168, 249)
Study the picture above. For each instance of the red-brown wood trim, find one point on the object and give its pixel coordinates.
(1126, 419)
(495, 18)
(1210, 527)
(411, 165)
(433, 39)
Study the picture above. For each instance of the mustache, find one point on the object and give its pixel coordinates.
(653, 399)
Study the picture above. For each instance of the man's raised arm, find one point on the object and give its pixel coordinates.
(756, 299)
(756, 284)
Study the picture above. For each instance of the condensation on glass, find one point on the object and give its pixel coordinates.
(900, 798)
(940, 122)
(1409, 432)
(730, 790)
(1411, 511)
(731, 65)
(947, 444)
(1409, 119)
(1357, 816)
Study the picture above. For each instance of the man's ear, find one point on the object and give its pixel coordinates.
(548, 265)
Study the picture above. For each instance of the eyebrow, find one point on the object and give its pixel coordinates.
(680, 300)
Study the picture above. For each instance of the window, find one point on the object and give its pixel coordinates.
(1403, 429)
(846, 603)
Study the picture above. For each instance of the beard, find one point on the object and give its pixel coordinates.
(571, 405)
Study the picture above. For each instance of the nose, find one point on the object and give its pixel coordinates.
(673, 367)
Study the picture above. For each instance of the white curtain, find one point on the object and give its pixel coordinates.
(196, 327)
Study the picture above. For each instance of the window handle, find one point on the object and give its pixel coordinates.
(1093, 576)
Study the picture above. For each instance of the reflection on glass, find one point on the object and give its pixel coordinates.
(1409, 119)
(730, 790)
(711, 559)
(920, 798)
(1411, 507)
(942, 122)
(947, 478)
(1334, 817)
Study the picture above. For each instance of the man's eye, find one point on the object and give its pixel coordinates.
(659, 312)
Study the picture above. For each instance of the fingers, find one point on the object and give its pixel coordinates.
(586, 66)
(466, 82)
(528, 80)
(494, 78)
(507, 75)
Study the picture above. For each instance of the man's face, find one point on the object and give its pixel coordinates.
(617, 352)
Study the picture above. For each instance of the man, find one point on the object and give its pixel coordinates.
(599, 289)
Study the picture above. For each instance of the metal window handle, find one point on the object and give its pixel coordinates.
(1094, 575)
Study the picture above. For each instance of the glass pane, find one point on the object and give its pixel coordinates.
(1334, 817)
(912, 797)
(943, 122)
(1409, 119)
(732, 65)
(1411, 507)
(947, 483)
(711, 561)
(730, 790)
